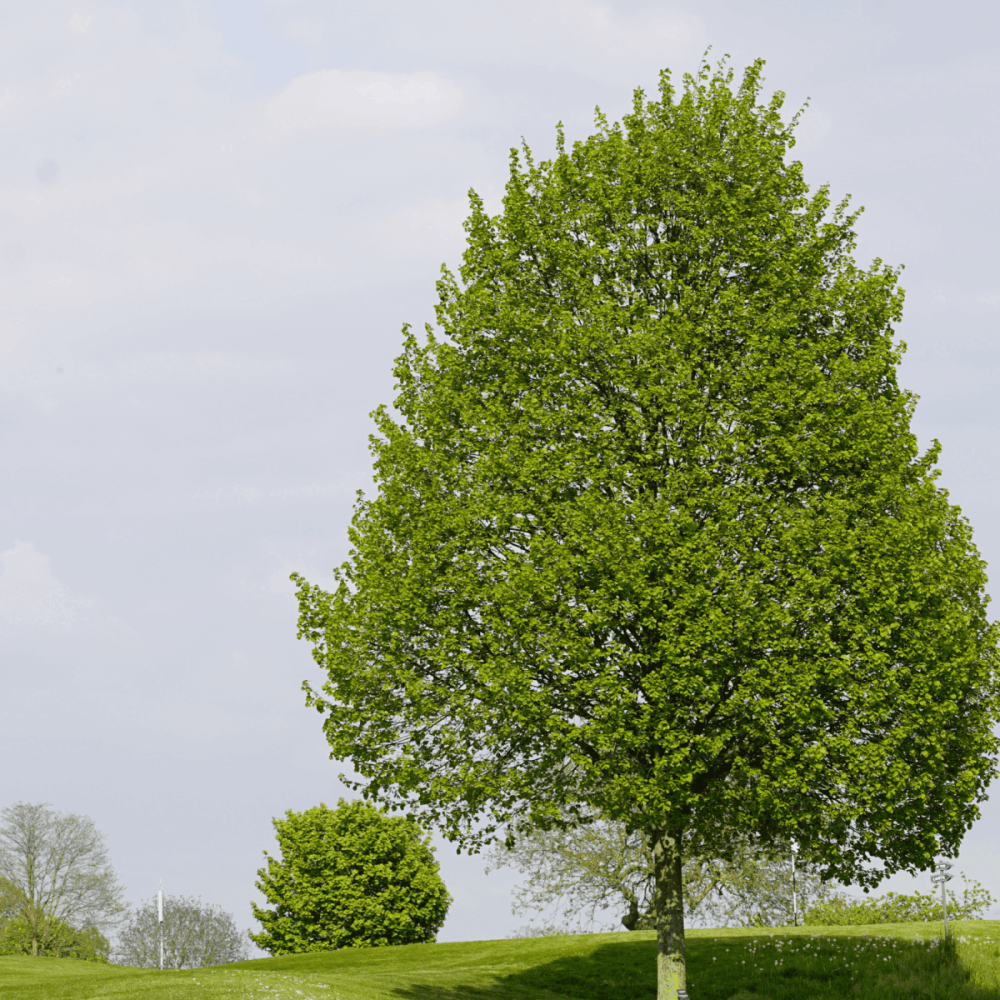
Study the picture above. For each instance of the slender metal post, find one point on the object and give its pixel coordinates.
(160, 909)
(941, 876)
(795, 896)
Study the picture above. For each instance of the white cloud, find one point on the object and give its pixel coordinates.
(32, 598)
(365, 98)
(79, 23)
(38, 610)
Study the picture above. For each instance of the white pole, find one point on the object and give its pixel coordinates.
(160, 908)
(795, 897)
(941, 875)
(944, 907)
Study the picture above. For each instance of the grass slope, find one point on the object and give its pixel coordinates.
(884, 962)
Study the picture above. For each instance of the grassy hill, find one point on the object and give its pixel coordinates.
(885, 962)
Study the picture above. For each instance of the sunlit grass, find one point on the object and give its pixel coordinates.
(883, 962)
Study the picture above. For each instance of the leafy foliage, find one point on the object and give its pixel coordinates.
(56, 874)
(350, 877)
(653, 537)
(195, 935)
(55, 939)
(896, 908)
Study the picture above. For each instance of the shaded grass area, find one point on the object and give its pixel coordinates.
(882, 962)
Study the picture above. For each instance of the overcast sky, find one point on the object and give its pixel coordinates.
(214, 219)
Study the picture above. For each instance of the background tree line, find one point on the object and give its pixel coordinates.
(354, 876)
(351, 876)
(60, 897)
(577, 876)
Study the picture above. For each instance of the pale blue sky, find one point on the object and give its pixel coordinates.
(215, 217)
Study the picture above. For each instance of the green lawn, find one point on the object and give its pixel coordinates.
(885, 962)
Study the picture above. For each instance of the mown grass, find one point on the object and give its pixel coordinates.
(883, 962)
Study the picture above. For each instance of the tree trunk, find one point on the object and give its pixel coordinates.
(34, 945)
(668, 905)
(632, 917)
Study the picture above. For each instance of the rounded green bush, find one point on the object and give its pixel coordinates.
(350, 877)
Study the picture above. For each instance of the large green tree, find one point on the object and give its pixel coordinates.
(350, 877)
(652, 536)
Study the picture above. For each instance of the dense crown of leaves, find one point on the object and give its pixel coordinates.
(194, 934)
(350, 877)
(652, 534)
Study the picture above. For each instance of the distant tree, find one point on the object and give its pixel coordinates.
(10, 900)
(653, 536)
(755, 888)
(601, 865)
(58, 940)
(195, 934)
(56, 868)
(895, 908)
(350, 877)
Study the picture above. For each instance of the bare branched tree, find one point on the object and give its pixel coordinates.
(55, 871)
(601, 866)
(10, 900)
(195, 934)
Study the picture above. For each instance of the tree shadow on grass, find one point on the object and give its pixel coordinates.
(620, 970)
(626, 970)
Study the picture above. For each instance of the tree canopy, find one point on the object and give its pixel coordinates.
(350, 877)
(195, 935)
(58, 939)
(56, 876)
(652, 535)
